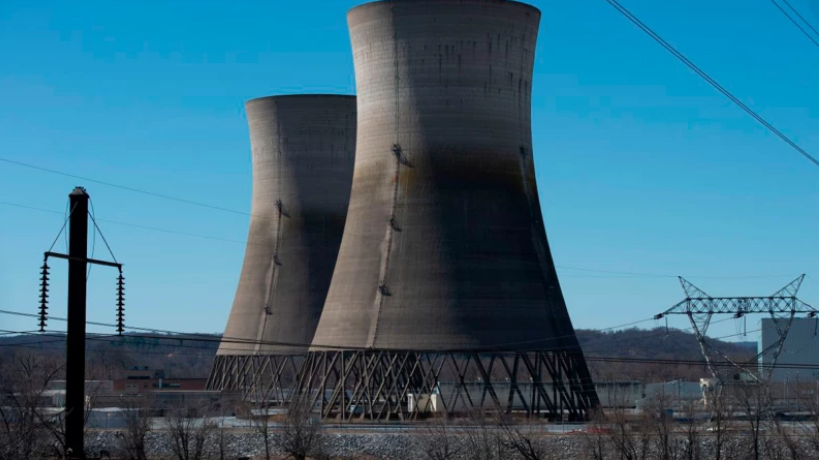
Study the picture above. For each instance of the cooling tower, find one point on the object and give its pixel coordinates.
(302, 150)
(444, 249)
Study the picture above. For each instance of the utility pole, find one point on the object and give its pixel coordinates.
(75, 338)
(78, 261)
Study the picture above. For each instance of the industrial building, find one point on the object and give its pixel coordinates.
(799, 357)
(302, 150)
(444, 270)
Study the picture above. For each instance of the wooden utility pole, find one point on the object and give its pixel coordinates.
(75, 339)
(78, 261)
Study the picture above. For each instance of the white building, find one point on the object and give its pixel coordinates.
(801, 348)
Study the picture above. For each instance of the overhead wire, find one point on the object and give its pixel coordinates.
(123, 187)
(93, 241)
(94, 221)
(213, 338)
(795, 23)
(227, 339)
(656, 37)
(801, 17)
(619, 274)
(591, 358)
(65, 222)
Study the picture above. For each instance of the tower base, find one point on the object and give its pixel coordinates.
(265, 379)
(407, 385)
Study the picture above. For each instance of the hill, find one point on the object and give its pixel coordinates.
(652, 344)
(182, 357)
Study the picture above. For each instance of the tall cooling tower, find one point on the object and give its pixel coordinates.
(444, 256)
(302, 148)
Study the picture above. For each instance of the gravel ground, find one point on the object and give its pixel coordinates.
(402, 446)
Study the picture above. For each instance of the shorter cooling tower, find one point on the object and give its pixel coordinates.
(445, 274)
(303, 149)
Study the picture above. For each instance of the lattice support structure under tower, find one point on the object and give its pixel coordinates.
(699, 307)
(261, 379)
(405, 385)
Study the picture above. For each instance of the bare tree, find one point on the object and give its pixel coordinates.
(661, 422)
(784, 444)
(105, 362)
(692, 426)
(132, 440)
(189, 427)
(439, 442)
(809, 429)
(261, 423)
(483, 440)
(628, 437)
(596, 440)
(719, 406)
(300, 434)
(223, 446)
(753, 401)
(521, 439)
(24, 425)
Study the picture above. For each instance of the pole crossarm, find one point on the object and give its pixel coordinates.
(83, 259)
(782, 301)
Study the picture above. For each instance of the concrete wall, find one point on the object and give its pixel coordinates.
(801, 348)
(444, 246)
(303, 148)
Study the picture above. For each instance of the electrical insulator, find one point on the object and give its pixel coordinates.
(43, 296)
(120, 304)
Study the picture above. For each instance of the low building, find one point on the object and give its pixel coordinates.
(673, 396)
(798, 361)
(95, 387)
(140, 380)
(135, 387)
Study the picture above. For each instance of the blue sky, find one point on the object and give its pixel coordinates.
(642, 167)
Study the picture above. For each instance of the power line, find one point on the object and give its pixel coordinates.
(800, 17)
(793, 21)
(620, 274)
(625, 12)
(128, 224)
(123, 187)
(235, 340)
(591, 358)
(665, 275)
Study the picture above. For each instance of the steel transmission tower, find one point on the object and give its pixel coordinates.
(700, 308)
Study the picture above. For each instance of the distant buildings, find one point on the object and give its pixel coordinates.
(141, 380)
(801, 348)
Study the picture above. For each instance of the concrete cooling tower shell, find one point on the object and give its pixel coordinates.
(303, 148)
(444, 246)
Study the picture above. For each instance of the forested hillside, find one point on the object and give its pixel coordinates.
(648, 351)
(192, 355)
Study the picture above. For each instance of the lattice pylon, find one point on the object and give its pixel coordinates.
(699, 307)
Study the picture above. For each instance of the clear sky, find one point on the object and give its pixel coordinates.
(642, 167)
